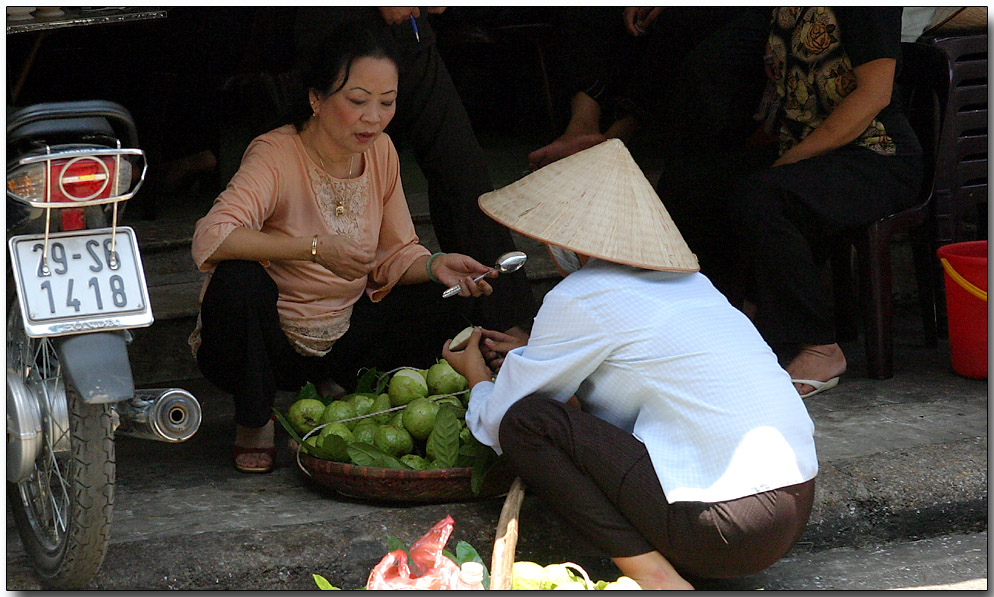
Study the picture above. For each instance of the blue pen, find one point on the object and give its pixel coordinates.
(414, 25)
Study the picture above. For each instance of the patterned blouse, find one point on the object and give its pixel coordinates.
(810, 56)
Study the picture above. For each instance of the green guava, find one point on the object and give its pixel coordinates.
(338, 410)
(419, 417)
(393, 441)
(305, 414)
(364, 430)
(453, 400)
(380, 404)
(339, 429)
(406, 385)
(443, 379)
(362, 403)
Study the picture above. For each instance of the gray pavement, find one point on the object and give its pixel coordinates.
(901, 501)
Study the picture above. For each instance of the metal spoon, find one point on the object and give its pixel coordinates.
(506, 263)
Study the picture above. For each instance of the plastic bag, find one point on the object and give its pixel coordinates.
(432, 569)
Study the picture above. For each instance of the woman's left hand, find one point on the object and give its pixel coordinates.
(469, 362)
(456, 268)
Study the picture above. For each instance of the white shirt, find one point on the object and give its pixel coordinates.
(665, 357)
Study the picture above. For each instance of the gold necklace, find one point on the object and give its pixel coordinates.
(340, 208)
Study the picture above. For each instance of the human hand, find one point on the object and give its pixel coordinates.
(395, 15)
(639, 18)
(496, 345)
(435, 10)
(566, 145)
(456, 268)
(344, 257)
(469, 362)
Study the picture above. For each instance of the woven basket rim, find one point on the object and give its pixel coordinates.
(376, 472)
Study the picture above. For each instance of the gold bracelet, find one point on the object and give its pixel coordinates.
(314, 248)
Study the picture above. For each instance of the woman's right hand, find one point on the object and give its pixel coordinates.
(496, 345)
(344, 257)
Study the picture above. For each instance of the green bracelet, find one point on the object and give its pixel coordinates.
(431, 276)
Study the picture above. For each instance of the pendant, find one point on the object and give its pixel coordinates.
(340, 210)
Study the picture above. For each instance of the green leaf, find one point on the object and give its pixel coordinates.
(465, 552)
(393, 544)
(364, 454)
(367, 381)
(485, 461)
(286, 425)
(309, 390)
(336, 447)
(446, 437)
(323, 583)
(317, 449)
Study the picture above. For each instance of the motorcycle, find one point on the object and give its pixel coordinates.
(75, 287)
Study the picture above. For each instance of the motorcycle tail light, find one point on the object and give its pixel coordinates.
(82, 178)
(27, 182)
(72, 219)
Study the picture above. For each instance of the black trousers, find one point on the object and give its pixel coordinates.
(432, 119)
(244, 351)
(600, 480)
(765, 234)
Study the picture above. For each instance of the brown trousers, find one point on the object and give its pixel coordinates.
(601, 482)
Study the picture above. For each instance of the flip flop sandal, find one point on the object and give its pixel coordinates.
(240, 451)
(819, 386)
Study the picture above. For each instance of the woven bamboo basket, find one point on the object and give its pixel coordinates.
(395, 485)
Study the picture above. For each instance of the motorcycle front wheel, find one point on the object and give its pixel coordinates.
(63, 509)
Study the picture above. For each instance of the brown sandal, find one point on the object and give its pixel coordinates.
(240, 451)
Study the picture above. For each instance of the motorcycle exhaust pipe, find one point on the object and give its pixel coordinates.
(167, 415)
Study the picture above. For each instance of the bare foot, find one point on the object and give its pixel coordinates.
(820, 362)
(255, 437)
(652, 572)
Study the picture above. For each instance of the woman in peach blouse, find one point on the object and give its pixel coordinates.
(314, 218)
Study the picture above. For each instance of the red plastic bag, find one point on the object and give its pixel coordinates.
(432, 569)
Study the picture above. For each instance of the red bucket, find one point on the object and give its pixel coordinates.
(965, 267)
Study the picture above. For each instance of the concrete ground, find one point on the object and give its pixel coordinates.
(901, 498)
(902, 460)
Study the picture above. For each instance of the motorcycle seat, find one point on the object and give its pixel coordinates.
(63, 128)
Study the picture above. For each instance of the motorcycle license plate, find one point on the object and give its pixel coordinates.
(80, 291)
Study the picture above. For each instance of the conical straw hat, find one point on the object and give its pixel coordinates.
(596, 202)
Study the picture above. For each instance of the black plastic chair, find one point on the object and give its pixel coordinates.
(862, 278)
(961, 171)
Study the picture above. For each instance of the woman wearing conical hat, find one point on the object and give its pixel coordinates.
(691, 455)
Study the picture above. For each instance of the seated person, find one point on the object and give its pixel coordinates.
(314, 219)
(846, 156)
(690, 454)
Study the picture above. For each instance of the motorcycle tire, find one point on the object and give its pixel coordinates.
(63, 510)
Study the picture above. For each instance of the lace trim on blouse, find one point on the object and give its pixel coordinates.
(315, 340)
(353, 194)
